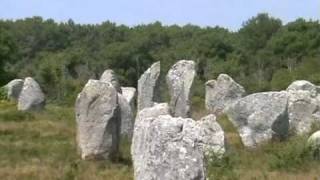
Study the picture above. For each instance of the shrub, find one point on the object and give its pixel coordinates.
(290, 155)
(3, 94)
(223, 168)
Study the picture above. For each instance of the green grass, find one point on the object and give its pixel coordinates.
(41, 145)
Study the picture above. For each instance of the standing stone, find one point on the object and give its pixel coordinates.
(303, 106)
(221, 93)
(13, 89)
(127, 117)
(179, 79)
(130, 94)
(110, 77)
(148, 90)
(260, 117)
(126, 111)
(98, 121)
(173, 148)
(127, 105)
(31, 96)
(213, 136)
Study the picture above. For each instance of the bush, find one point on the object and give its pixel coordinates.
(223, 168)
(291, 155)
(3, 94)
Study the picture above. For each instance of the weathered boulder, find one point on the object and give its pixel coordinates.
(222, 92)
(13, 89)
(303, 86)
(98, 121)
(31, 96)
(179, 79)
(110, 77)
(130, 94)
(303, 106)
(127, 116)
(171, 148)
(314, 144)
(154, 111)
(212, 135)
(260, 117)
(148, 90)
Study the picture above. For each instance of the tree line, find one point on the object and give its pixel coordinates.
(264, 54)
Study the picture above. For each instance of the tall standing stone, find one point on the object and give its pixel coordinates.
(98, 121)
(13, 89)
(31, 96)
(171, 148)
(127, 104)
(126, 111)
(130, 94)
(303, 106)
(260, 117)
(148, 90)
(179, 79)
(127, 116)
(110, 77)
(222, 92)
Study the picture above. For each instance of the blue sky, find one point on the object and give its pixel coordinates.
(226, 13)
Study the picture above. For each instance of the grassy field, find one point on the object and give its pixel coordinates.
(42, 146)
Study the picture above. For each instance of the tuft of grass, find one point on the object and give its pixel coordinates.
(14, 115)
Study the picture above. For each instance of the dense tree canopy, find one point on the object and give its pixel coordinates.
(263, 55)
(7, 52)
